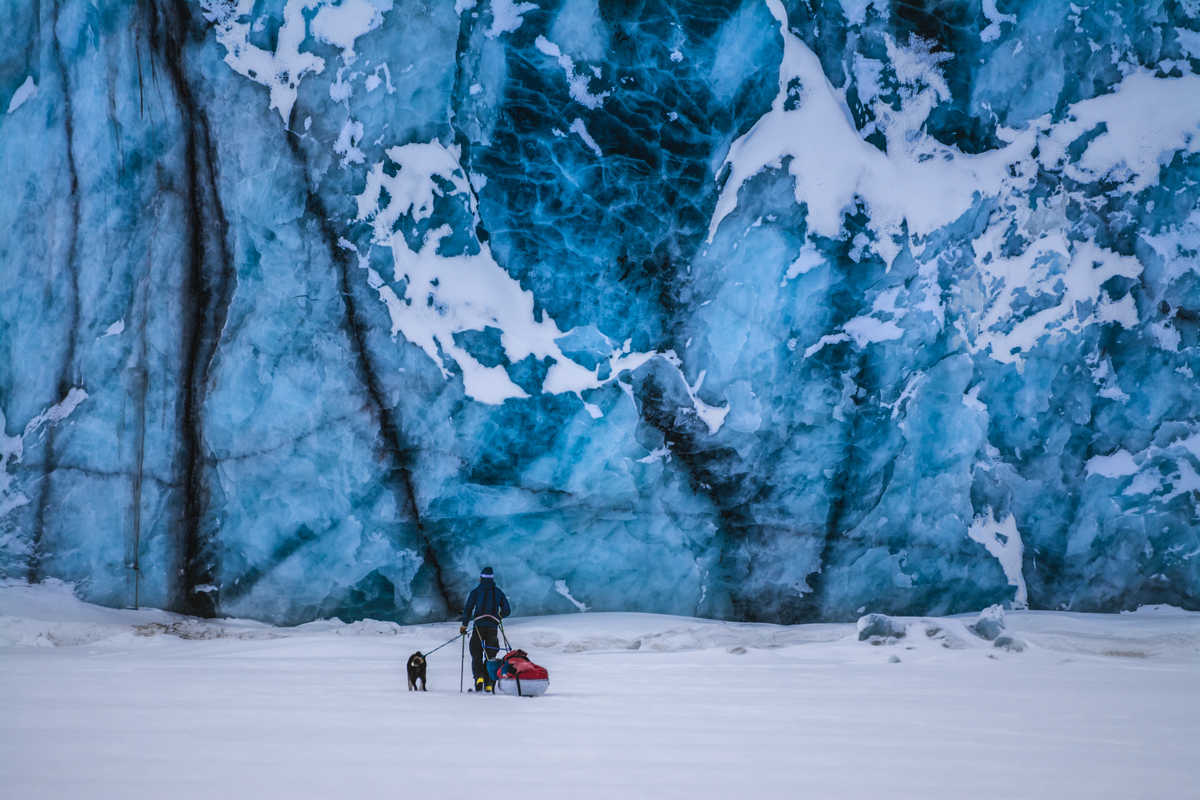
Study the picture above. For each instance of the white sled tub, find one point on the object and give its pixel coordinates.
(531, 687)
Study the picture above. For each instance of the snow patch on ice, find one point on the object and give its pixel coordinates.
(24, 93)
(281, 71)
(57, 412)
(994, 18)
(577, 85)
(507, 16)
(560, 586)
(346, 145)
(428, 308)
(657, 454)
(1115, 465)
(1003, 541)
(712, 416)
(829, 338)
(919, 185)
(914, 382)
(1146, 120)
(12, 447)
(808, 260)
(340, 25)
(1069, 272)
(578, 128)
(865, 330)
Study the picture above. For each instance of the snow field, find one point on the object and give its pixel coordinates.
(101, 703)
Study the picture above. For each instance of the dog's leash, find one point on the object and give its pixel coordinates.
(455, 638)
(440, 646)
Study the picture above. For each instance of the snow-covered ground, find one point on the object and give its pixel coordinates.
(103, 703)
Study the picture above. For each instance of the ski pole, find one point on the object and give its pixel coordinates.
(462, 659)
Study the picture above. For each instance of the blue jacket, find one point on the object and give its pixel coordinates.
(486, 598)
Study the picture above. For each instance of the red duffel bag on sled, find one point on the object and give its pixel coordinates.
(517, 675)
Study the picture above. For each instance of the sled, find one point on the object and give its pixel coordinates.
(520, 677)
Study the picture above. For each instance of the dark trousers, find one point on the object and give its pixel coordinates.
(483, 636)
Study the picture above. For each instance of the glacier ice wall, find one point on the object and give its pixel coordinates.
(762, 310)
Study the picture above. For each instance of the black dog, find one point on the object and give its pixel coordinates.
(416, 671)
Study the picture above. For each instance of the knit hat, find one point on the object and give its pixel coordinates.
(486, 572)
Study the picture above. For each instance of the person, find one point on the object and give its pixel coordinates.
(485, 599)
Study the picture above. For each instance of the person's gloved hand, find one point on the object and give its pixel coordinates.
(462, 629)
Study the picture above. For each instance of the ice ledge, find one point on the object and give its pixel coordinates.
(49, 615)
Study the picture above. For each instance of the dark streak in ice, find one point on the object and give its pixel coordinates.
(840, 490)
(399, 452)
(209, 281)
(66, 372)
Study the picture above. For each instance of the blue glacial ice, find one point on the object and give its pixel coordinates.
(761, 310)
